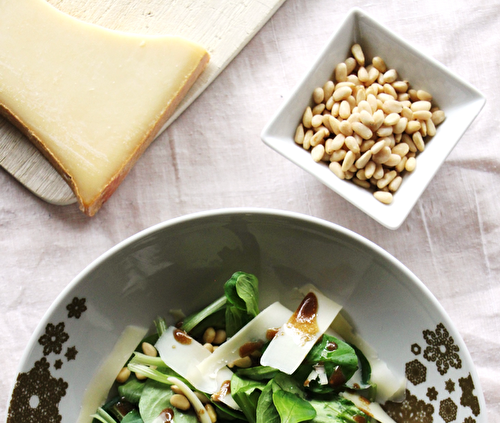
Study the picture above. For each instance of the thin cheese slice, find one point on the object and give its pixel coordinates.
(298, 335)
(98, 388)
(91, 99)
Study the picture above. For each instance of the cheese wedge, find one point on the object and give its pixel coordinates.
(91, 99)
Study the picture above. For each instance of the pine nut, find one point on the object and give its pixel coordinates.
(209, 335)
(307, 117)
(357, 52)
(395, 184)
(378, 120)
(394, 160)
(423, 128)
(392, 106)
(360, 174)
(431, 128)
(140, 376)
(351, 144)
(335, 108)
(345, 128)
(363, 160)
(316, 139)
(407, 140)
(390, 76)
(318, 109)
(345, 109)
(316, 121)
(407, 113)
(413, 126)
(366, 145)
(418, 106)
(360, 95)
(350, 64)
(389, 89)
(342, 93)
(401, 165)
(383, 197)
(370, 169)
(328, 89)
(378, 146)
(175, 389)
(373, 74)
(386, 179)
(299, 134)
(401, 149)
(123, 375)
(318, 95)
(148, 349)
(362, 130)
(400, 87)
(419, 141)
(211, 412)
(180, 401)
(366, 118)
(336, 168)
(307, 139)
(362, 74)
(341, 72)
(349, 159)
(379, 171)
(411, 164)
(413, 94)
(243, 362)
(318, 152)
(384, 131)
(438, 117)
(329, 103)
(334, 124)
(400, 127)
(209, 347)
(424, 95)
(379, 64)
(382, 156)
(359, 182)
(392, 119)
(338, 156)
(383, 97)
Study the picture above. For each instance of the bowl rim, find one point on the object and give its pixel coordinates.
(241, 211)
(394, 220)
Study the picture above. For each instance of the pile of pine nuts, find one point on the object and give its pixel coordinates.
(368, 124)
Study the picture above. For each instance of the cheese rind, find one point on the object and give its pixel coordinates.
(91, 99)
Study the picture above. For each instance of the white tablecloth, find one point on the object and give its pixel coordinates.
(212, 157)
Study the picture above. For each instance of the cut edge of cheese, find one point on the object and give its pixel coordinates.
(91, 204)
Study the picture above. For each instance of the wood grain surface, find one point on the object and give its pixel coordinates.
(223, 27)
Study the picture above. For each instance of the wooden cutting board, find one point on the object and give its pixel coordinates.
(223, 27)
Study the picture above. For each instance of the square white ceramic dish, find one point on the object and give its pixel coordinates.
(460, 101)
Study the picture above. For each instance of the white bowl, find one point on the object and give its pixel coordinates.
(460, 101)
(183, 263)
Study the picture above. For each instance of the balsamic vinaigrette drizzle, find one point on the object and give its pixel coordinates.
(182, 337)
(304, 318)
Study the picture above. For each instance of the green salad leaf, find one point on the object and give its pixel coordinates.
(131, 390)
(292, 408)
(337, 357)
(133, 417)
(337, 410)
(246, 393)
